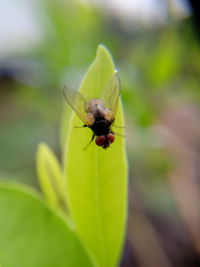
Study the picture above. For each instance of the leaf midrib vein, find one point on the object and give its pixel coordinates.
(96, 184)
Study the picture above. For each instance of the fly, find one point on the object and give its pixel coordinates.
(98, 114)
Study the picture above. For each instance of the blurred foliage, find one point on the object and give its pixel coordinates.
(159, 67)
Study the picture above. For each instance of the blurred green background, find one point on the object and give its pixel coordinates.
(155, 45)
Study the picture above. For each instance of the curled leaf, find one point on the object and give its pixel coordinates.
(50, 177)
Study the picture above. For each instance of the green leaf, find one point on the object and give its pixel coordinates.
(33, 235)
(97, 178)
(50, 177)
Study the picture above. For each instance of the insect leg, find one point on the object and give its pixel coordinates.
(122, 135)
(80, 126)
(89, 142)
(117, 126)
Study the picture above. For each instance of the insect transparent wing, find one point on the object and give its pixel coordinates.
(110, 95)
(78, 103)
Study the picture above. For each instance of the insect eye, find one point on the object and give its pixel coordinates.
(100, 140)
(111, 137)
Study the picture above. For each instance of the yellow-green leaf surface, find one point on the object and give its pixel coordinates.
(50, 177)
(96, 178)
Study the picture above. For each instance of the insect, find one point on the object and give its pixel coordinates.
(98, 114)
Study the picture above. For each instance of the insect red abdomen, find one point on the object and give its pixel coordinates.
(105, 140)
(100, 140)
(111, 137)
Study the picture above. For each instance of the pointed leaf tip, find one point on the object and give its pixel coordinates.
(96, 179)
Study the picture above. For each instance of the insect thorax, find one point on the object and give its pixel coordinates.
(101, 126)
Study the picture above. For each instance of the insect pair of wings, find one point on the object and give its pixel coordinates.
(109, 97)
